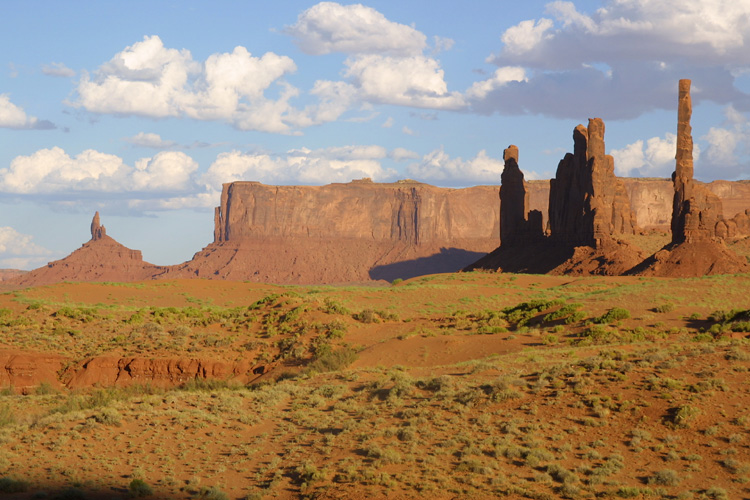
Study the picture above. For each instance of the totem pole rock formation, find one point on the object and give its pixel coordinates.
(696, 210)
(588, 203)
(518, 225)
(698, 228)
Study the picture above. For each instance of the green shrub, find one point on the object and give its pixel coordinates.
(10, 485)
(139, 488)
(613, 315)
(213, 493)
(665, 477)
(333, 361)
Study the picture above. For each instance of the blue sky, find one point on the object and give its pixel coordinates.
(141, 110)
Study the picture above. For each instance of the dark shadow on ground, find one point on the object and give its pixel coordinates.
(448, 260)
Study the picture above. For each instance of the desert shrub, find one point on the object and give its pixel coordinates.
(396, 281)
(6, 416)
(139, 488)
(664, 308)
(10, 485)
(333, 361)
(665, 477)
(682, 416)
(613, 315)
(717, 493)
(366, 316)
(564, 312)
(309, 472)
(108, 416)
(333, 307)
(212, 493)
(524, 312)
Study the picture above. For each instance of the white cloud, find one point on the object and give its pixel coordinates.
(149, 140)
(353, 29)
(400, 154)
(148, 79)
(12, 116)
(406, 130)
(442, 44)
(501, 78)
(526, 35)
(729, 145)
(53, 171)
(416, 81)
(622, 60)
(654, 158)
(58, 69)
(17, 250)
(388, 123)
(299, 166)
(439, 168)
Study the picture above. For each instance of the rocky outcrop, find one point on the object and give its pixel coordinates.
(113, 371)
(339, 233)
(518, 226)
(100, 259)
(97, 230)
(697, 225)
(588, 203)
(588, 209)
(696, 210)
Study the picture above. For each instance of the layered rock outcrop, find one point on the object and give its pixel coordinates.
(518, 225)
(697, 225)
(588, 208)
(352, 232)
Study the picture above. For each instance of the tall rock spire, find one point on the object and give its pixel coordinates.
(97, 230)
(695, 209)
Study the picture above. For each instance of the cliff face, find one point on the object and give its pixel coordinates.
(407, 212)
(345, 232)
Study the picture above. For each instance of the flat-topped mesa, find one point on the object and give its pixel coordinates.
(696, 211)
(97, 230)
(518, 226)
(588, 204)
(405, 212)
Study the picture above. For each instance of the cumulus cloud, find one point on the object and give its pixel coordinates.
(302, 166)
(728, 149)
(439, 168)
(645, 49)
(330, 27)
(17, 250)
(58, 69)
(149, 79)
(12, 116)
(53, 171)
(652, 158)
(149, 140)
(386, 63)
(408, 81)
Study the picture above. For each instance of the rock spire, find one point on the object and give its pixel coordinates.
(97, 230)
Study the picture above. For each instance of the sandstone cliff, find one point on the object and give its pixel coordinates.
(345, 232)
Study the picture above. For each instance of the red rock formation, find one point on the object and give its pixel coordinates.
(97, 230)
(696, 210)
(345, 232)
(587, 202)
(100, 259)
(697, 217)
(518, 226)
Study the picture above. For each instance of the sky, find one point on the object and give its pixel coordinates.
(142, 109)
